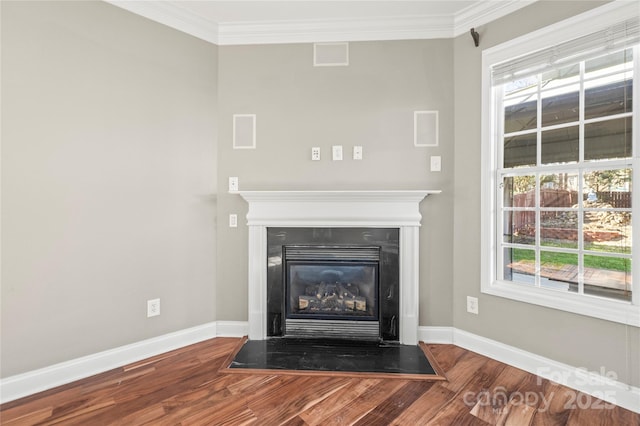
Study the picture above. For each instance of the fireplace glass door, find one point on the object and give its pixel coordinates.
(332, 290)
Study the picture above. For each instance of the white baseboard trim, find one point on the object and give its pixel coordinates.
(590, 383)
(595, 384)
(442, 335)
(31, 382)
(233, 328)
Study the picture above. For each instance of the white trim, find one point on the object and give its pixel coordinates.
(591, 383)
(335, 208)
(232, 328)
(391, 209)
(25, 384)
(607, 309)
(181, 18)
(31, 382)
(257, 273)
(596, 307)
(336, 30)
(480, 13)
(571, 28)
(409, 284)
(172, 16)
(436, 335)
(635, 195)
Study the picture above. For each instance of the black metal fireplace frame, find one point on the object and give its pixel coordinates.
(387, 239)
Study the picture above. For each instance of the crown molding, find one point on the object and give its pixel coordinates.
(482, 13)
(308, 31)
(172, 16)
(175, 16)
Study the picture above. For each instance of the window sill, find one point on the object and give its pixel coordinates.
(610, 310)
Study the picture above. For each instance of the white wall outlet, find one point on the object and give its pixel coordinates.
(337, 152)
(233, 220)
(233, 184)
(357, 152)
(436, 163)
(153, 308)
(472, 305)
(315, 153)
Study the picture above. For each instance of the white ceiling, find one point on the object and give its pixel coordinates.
(295, 21)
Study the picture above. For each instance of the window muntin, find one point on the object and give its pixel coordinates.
(566, 175)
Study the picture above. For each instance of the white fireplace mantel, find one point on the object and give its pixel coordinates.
(390, 209)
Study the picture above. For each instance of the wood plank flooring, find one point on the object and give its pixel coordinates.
(185, 387)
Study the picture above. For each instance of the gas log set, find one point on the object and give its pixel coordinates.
(335, 298)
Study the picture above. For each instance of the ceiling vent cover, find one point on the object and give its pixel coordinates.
(330, 54)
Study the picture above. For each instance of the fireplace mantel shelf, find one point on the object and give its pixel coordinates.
(335, 208)
(327, 195)
(382, 208)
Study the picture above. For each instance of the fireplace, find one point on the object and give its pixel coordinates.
(331, 292)
(273, 217)
(333, 283)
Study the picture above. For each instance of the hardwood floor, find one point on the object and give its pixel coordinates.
(185, 387)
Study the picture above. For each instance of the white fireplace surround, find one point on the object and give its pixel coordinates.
(375, 209)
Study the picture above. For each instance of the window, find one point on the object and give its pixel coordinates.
(559, 162)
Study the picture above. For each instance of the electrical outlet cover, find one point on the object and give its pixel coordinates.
(233, 184)
(472, 305)
(315, 153)
(153, 307)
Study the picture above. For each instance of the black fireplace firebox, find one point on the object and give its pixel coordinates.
(332, 291)
(333, 283)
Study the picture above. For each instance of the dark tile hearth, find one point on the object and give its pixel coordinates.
(335, 356)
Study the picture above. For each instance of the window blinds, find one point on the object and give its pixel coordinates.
(615, 37)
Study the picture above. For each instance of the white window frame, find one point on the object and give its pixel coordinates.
(608, 309)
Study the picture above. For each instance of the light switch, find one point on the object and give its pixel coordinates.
(357, 152)
(435, 163)
(337, 152)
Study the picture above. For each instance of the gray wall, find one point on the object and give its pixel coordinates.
(368, 103)
(573, 339)
(108, 176)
